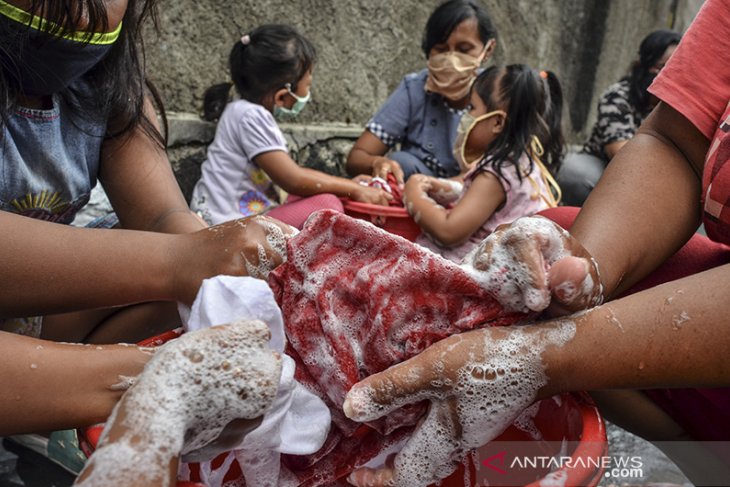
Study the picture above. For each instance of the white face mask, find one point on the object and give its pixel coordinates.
(466, 125)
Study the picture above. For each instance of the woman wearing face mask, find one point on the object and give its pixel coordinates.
(75, 110)
(422, 114)
(621, 109)
(507, 144)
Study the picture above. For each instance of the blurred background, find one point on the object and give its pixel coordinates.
(365, 48)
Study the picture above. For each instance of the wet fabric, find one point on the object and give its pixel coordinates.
(391, 186)
(357, 300)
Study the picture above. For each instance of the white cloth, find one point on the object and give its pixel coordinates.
(298, 421)
(231, 184)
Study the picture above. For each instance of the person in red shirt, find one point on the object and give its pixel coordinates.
(664, 325)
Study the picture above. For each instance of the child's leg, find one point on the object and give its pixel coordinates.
(296, 210)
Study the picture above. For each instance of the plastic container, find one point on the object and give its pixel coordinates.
(567, 427)
(393, 219)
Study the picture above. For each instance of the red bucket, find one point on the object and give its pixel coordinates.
(569, 427)
(393, 219)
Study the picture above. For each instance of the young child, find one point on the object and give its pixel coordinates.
(507, 144)
(271, 69)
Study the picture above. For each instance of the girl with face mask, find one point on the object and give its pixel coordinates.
(75, 110)
(271, 69)
(422, 114)
(507, 144)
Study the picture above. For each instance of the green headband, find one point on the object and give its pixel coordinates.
(41, 24)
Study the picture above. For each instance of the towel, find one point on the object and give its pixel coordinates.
(225, 299)
(356, 300)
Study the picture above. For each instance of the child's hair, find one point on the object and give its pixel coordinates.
(118, 81)
(640, 76)
(272, 56)
(533, 102)
(448, 15)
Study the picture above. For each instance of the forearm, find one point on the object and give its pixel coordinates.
(178, 220)
(49, 386)
(646, 205)
(308, 182)
(673, 335)
(50, 268)
(429, 215)
(359, 161)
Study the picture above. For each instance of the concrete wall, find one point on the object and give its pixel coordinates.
(365, 47)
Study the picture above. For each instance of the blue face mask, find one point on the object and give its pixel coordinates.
(41, 63)
(299, 104)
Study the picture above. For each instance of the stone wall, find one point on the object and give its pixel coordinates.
(366, 47)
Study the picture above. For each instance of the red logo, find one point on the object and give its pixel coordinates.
(499, 456)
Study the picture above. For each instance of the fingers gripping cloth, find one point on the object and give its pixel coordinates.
(357, 300)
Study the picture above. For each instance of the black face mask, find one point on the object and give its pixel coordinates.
(41, 64)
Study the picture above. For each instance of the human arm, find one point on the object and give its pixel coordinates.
(50, 386)
(612, 148)
(141, 186)
(643, 330)
(170, 412)
(50, 268)
(454, 225)
(367, 157)
(303, 181)
(656, 172)
(611, 245)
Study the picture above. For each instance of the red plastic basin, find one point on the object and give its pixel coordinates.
(570, 427)
(392, 219)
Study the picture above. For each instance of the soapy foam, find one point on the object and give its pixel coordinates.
(613, 319)
(358, 300)
(497, 382)
(502, 272)
(450, 193)
(271, 251)
(124, 383)
(188, 392)
(679, 320)
(555, 479)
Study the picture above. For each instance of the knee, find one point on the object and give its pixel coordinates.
(410, 164)
(578, 176)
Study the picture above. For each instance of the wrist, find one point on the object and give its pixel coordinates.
(177, 274)
(376, 161)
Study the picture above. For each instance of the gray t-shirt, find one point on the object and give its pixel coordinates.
(231, 184)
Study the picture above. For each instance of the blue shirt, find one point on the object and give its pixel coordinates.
(422, 122)
(49, 161)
